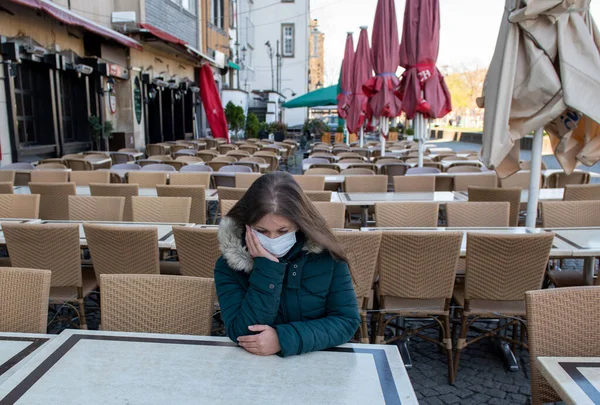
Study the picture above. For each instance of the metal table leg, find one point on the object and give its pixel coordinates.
(364, 217)
(510, 361)
(588, 270)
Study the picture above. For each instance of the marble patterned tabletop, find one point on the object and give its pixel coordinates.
(364, 199)
(575, 379)
(16, 349)
(133, 368)
(211, 195)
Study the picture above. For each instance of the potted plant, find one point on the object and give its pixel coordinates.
(393, 135)
(101, 132)
(235, 118)
(410, 134)
(279, 131)
(252, 126)
(339, 133)
(314, 128)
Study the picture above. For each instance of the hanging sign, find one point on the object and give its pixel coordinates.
(112, 102)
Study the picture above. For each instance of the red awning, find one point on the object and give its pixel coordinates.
(162, 35)
(67, 17)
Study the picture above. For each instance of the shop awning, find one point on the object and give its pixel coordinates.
(322, 97)
(67, 17)
(162, 35)
(233, 65)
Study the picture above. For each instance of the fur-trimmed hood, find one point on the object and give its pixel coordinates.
(234, 251)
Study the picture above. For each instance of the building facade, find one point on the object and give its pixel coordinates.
(317, 57)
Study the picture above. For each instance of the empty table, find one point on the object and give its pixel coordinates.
(585, 242)
(575, 379)
(136, 368)
(16, 349)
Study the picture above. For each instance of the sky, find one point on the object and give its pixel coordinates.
(469, 29)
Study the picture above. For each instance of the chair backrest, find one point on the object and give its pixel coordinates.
(351, 160)
(6, 188)
(423, 170)
(463, 169)
(245, 180)
(270, 158)
(117, 190)
(477, 214)
(190, 179)
(54, 199)
(186, 158)
(24, 295)
(392, 168)
(343, 154)
(526, 165)
(238, 154)
(216, 166)
(161, 158)
(159, 167)
(253, 159)
(322, 171)
(358, 171)
(570, 214)
(126, 166)
(7, 176)
(53, 247)
(87, 208)
(228, 159)
(310, 182)
(147, 179)
(334, 213)
(78, 164)
(51, 166)
(123, 250)
(416, 183)
(85, 178)
(365, 184)
(561, 322)
(184, 152)
(153, 149)
(121, 158)
(519, 179)
(561, 179)
(249, 148)
(582, 192)
(198, 250)
(314, 160)
(407, 214)
(231, 193)
(157, 304)
(161, 209)
(223, 149)
(181, 148)
(489, 194)
(20, 206)
(426, 270)
(196, 193)
(226, 206)
(196, 169)
(316, 196)
(175, 164)
(519, 262)
(49, 176)
(462, 182)
(206, 155)
(236, 168)
(18, 166)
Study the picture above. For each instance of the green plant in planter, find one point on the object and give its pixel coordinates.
(315, 127)
(252, 126)
(339, 129)
(235, 118)
(410, 131)
(278, 127)
(394, 129)
(97, 128)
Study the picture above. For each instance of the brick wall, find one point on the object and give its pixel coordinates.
(168, 16)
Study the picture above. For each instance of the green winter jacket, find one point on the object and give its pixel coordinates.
(307, 297)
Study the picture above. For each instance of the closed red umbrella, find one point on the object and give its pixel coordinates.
(346, 83)
(363, 71)
(211, 101)
(422, 87)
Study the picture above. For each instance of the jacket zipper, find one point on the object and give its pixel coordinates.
(282, 302)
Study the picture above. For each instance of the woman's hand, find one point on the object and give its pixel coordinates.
(265, 343)
(255, 248)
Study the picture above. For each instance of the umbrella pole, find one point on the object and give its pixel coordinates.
(419, 126)
(362, 136)
(383, 128)
(534, 180)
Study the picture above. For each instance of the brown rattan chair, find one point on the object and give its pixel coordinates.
(147, 179)
(245, 180)
(231, 193)
(417, 282)
(6, 188)
(207, 155)
(226, 206)
(322, 171)
(351, 160)
(24, 297)
(316, 196)
(157, 304)
(190, 179)
(217, 165)
(416, 183)
(84, 178)
(223, 149)
(161, 209)
(198, 250)
(49, 176)
(84, 208)
(117, 190)
(196, 193)
(176, 164)
(462, 182)
(52, 166)
(561, 323)
(519, 179)
(334, 213)
(407, 214)
(189, 159)
(78, 164)
(270, 158)
(310, 182)
(500, 269)
(463, 168)
(582, 192)
(358, 171)
(511, 195)
(477, 214)
(7, 176)
(526, 165)
(54, 199)
(561, 179)
(365, 184)
(249, 148)
(20, 206)
(154, 149)
(121, 157)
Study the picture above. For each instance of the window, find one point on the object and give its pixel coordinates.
(187, 5)
(231, 14)
(218, 13)
(287, 39)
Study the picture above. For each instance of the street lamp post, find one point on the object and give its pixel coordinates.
(270, 53)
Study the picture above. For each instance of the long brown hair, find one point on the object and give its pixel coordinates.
(278, 193)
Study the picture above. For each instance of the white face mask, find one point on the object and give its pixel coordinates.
(278, 247)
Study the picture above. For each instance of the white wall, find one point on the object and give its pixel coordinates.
(294, 74)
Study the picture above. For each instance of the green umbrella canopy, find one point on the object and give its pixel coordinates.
(318, 98)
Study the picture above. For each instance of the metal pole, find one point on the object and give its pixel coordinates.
(419, 127)
(535, 175)
(383, 128)
(362, 136)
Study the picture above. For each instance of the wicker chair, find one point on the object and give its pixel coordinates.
(57, 249)
(24, 297)
(196, 193)
(54, 201)
(144, 303)
(231, 193)
(158, 167)
(7, 176)
(462, 168)
(147, 179)
(154, 149)
(358, 171)
(121, 157)
(351, 160)
(84, 208)
(500, 269)
(421, 286)
(392, 168)
(20, 206)
(49, 176)
(84, 178)
(6, 188)
(195, 169)
(123, 250)
(270, 158)
(175, 164)
(249, 148)
(216, 166)
(477, 214)
(310, 182)
(322, 171)
(198, 250)
(316, 196)
(78, 164)
(51, 166)
(462, 182)
(519, 179)
(559, 326)
(161, 209)
(511, 195)
(334, 213)
(225, 206)
(583, 192)
(365, 184)
(190, 179)
(117, 190)
(561, 179)
(223, 149)
(526, 165)
(422, 184)
(207, 155)
(423, 170)
(407, 214)
(174, 149)
(189, 159)
(245, 180)
(352, 155)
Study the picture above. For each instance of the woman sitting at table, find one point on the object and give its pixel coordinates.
(283, 281)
